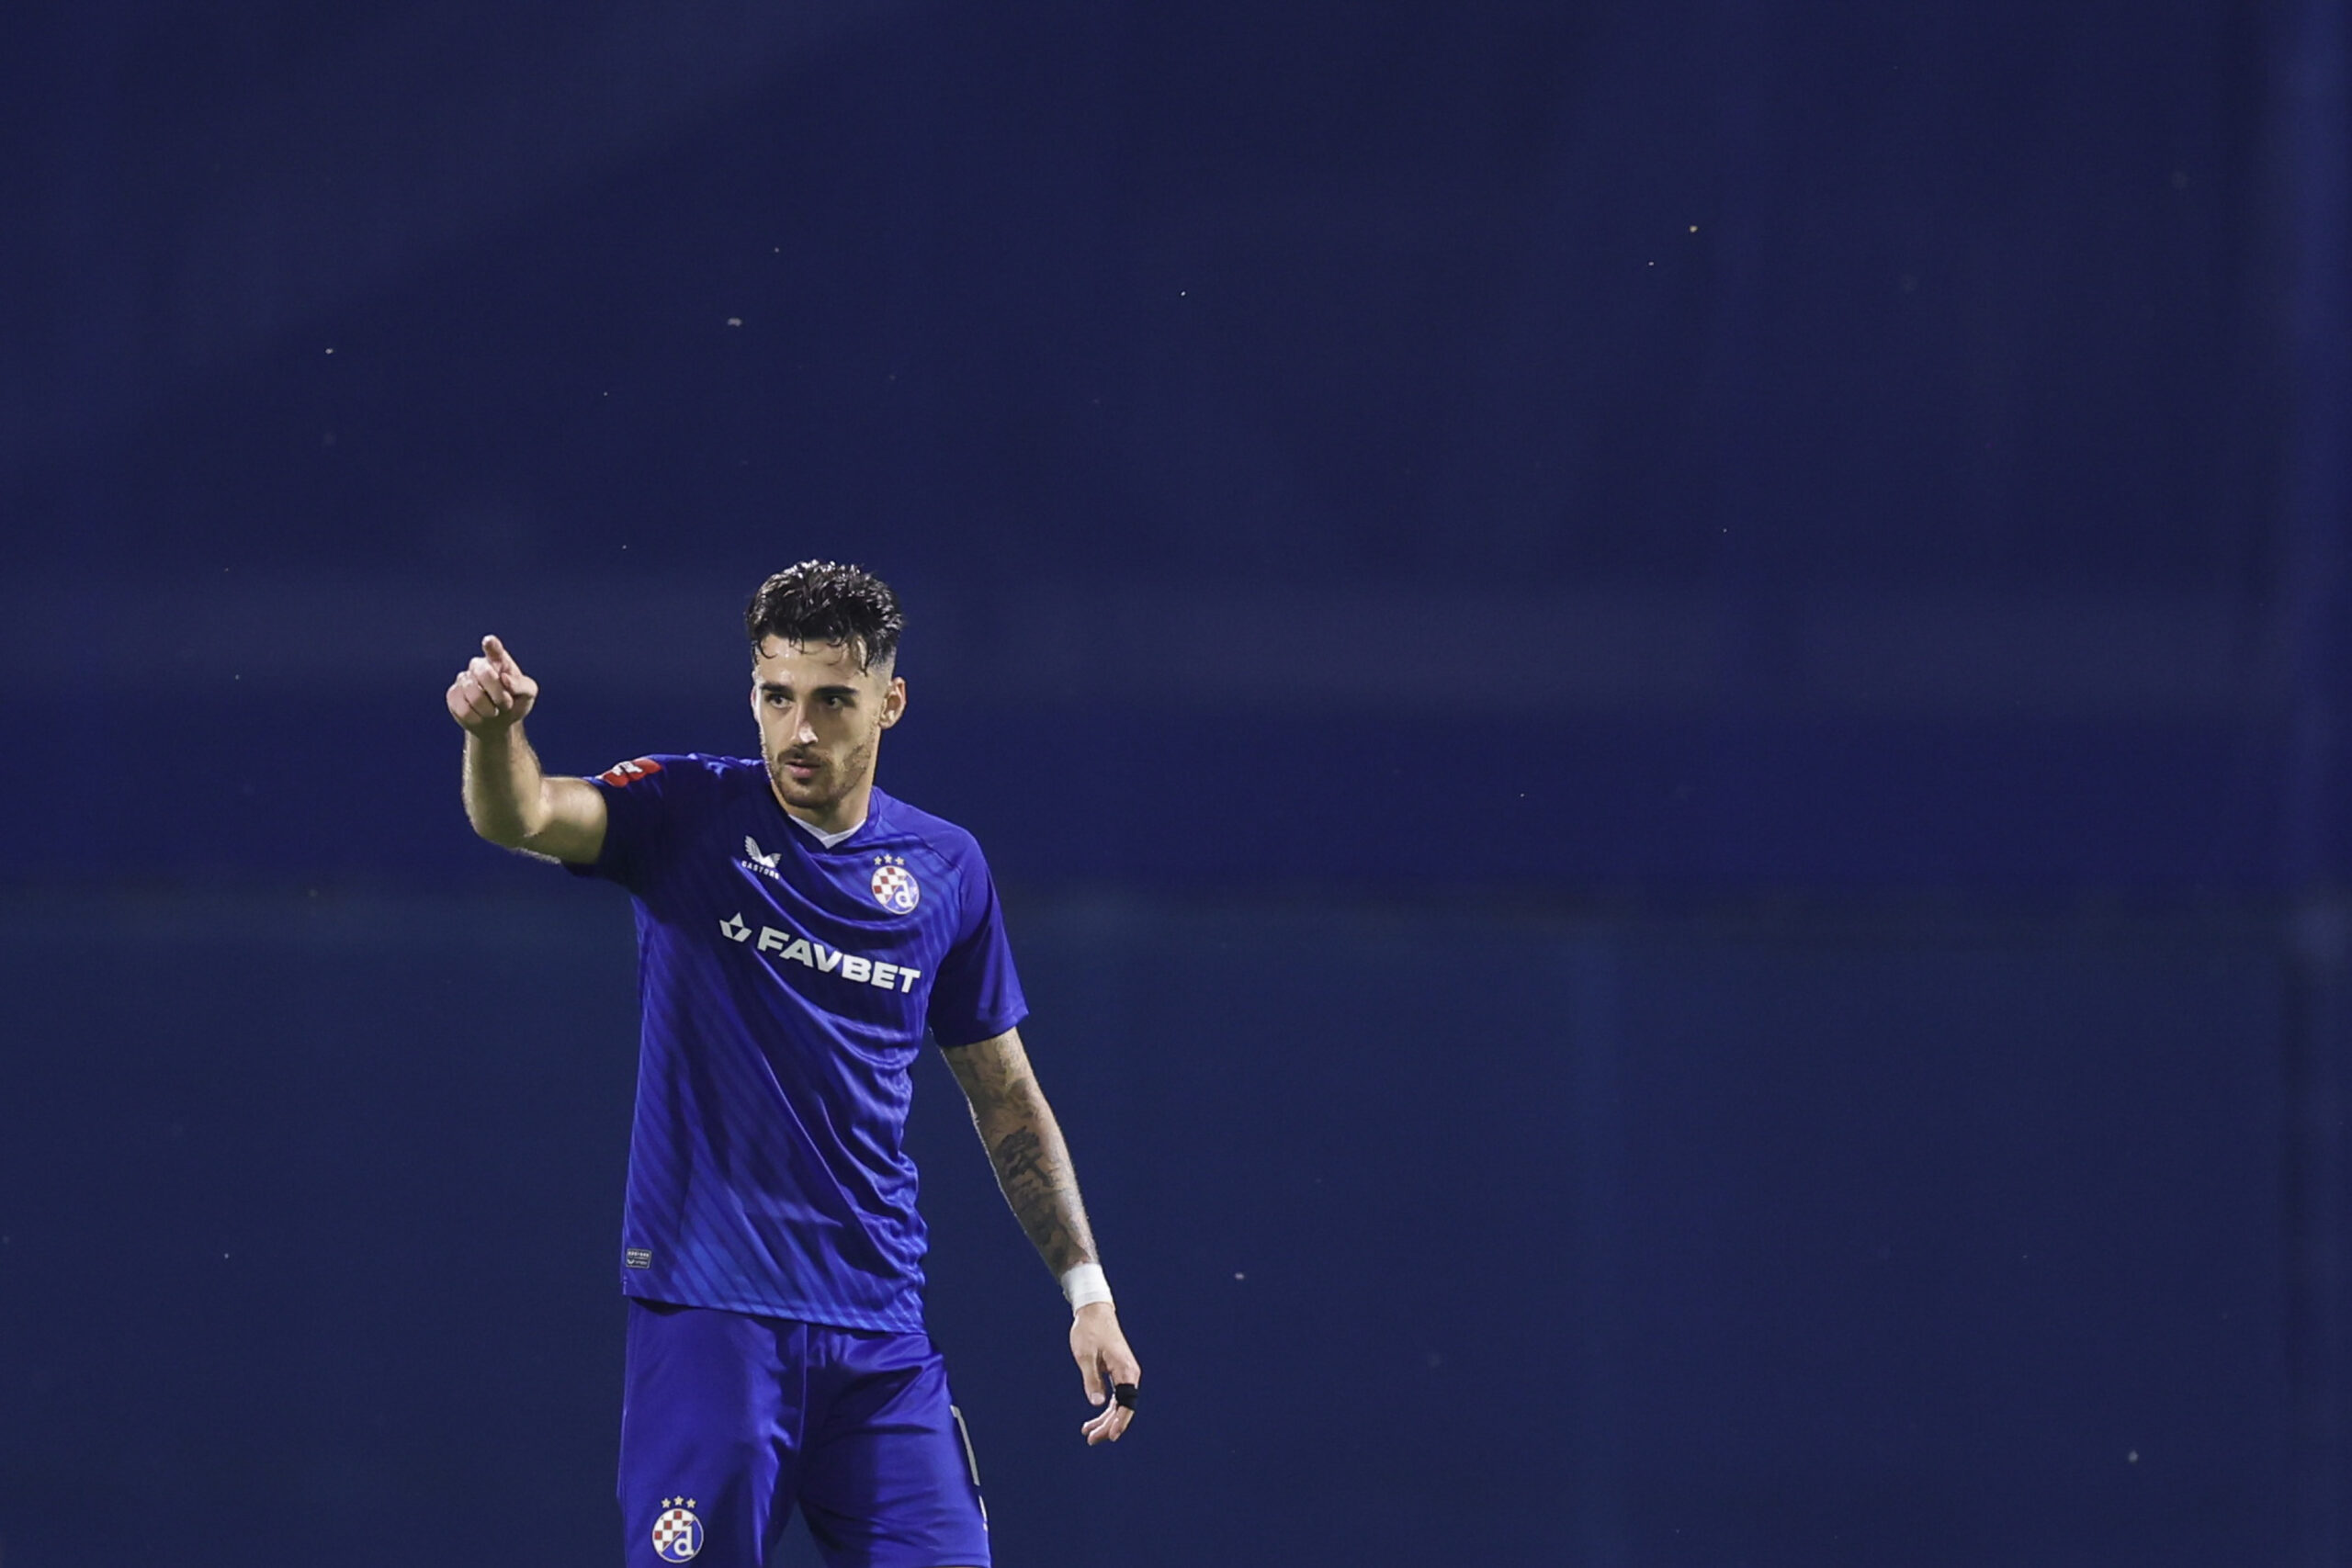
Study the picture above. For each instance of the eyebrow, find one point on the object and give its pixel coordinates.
(780, 689)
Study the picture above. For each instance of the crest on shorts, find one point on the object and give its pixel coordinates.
(895, 887)
(677, 1534)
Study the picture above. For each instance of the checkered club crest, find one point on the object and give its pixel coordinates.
(677, 1534)
(895, 887)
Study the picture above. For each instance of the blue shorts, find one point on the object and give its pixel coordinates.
(728, 1420)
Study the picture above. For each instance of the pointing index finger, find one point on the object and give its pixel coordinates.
(495, 651)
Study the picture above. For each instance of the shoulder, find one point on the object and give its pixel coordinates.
(900, 822)
(665, 772)
(943, 854)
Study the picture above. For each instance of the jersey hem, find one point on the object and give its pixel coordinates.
(792, 1312)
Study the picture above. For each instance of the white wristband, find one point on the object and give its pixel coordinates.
(1085, 1285)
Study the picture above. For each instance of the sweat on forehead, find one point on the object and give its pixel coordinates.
(842, 655)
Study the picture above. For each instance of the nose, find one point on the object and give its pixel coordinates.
(803, 732)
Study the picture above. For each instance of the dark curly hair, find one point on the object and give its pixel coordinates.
(822, 600)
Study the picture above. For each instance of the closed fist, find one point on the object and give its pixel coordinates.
(491, 692)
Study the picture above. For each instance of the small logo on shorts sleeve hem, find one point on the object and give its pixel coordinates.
(677, 1534)
(639, 1257)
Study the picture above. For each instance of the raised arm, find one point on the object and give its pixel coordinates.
(509, 799)
(1033, 1166)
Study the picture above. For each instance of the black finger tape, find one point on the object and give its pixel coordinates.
(1124, 1394)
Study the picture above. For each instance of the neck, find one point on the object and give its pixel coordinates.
(845, 814)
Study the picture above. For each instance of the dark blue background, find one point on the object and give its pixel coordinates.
(1658, 690)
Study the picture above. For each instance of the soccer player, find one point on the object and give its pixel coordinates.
(798, 932)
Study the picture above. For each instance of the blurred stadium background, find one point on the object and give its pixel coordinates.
(1660, 691)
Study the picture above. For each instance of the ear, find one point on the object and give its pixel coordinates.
(894, 700)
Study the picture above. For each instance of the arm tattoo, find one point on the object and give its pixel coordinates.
(1025, 1144)
(1038, 1183)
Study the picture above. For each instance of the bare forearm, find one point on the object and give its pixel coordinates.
(506, 790)
(1025, 1144)
(508, 800)
(1032, 1163)
(1033, 1168)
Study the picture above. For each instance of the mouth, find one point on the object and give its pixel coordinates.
(797, 770)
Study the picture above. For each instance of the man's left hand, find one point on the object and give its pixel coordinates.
(1105, 1361)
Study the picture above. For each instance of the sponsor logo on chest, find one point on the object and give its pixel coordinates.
(789, 948)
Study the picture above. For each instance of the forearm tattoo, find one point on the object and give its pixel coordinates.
(1033, 1168)
(1025, 1144)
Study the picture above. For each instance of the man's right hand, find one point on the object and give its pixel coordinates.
(491, 693)
(508, 800)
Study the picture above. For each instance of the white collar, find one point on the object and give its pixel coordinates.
(831, 840)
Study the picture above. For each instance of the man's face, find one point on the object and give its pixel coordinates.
(821, 716)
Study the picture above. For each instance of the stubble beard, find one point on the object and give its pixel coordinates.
(828, 786)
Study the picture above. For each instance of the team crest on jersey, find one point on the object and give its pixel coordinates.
(621, 773)
(677, 1534)
(895, 887)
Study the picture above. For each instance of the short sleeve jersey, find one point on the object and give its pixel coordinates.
(785, 988)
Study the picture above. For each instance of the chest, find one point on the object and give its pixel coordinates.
(865, 922)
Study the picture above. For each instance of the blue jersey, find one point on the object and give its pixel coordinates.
(785, 988)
